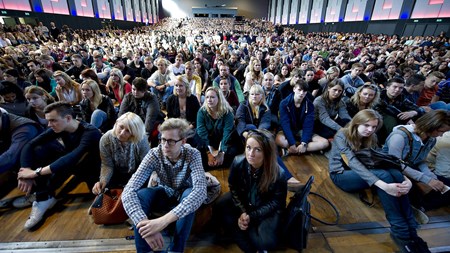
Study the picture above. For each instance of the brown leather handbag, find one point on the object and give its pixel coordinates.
(108, 208)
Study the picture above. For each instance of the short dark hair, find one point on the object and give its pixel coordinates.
(395, 80)
(414, 80)
(140, 84)
(62, 108)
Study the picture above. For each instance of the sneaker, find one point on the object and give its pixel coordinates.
(420, 216)
(284, 152)
(421, 245)
(24, 201)
(405, 246)
(38, 210)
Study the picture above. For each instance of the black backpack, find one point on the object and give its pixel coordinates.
(298, 219)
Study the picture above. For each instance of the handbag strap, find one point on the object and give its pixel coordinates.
(336, 211)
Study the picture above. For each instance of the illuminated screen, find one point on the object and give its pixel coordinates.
(303, 17)
(333, 11)
(118, 9)
(272, 11)
(104, 10)
(19, 5)
(278, 15)
(284, 19)
(55, 6)
(387, 9)
(431, 9)
(355, 10)
(137, 11)
(84, 8)
(294, 12)
(128, 10)
(316, 11)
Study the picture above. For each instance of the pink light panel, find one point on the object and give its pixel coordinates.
(20, 5)
(431, 2)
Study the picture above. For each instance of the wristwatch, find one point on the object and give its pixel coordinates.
(38, 171)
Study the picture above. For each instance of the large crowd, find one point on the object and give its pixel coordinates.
(162, 103)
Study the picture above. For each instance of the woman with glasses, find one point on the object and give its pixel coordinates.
(331, 114)
(215, 126)
(122, 150)
(96, 108)
(117, 86)
(366, 97)
(251, 211)
(350, 175)
(67, 90)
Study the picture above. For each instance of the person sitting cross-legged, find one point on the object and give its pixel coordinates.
(181, 191)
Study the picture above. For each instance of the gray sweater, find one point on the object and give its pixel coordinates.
(327, 114)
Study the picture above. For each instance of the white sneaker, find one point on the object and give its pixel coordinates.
(38, 210)
(24, 201)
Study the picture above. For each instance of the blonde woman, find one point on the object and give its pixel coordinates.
(67, 90)
(96, 108)
(117, 86)
(366, 97)
(121, 151)
(215, 124)
(254, 76)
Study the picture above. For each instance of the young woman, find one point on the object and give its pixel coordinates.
(297, 123)
(391, 186)
(254, 76)
(313, 85)
(182, 104)
(38, 99)
(121, 151)
(200, 70)
(117, 86)
(253, 113)
(89, 74)
(283, 76)
(67, 89)
(45, 80)
(366, 97)
(252, 210)
(215, 125)
(96, 108)
(331, 114)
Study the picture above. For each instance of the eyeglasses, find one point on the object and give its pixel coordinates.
(169, 141)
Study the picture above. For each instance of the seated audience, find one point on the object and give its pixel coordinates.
(235, 86)
(413, 147)
(251, 212)
(38, 99)
(230, 95)
(12, 98)
(392, 188)
(44, 79)
(439, 160)
(215, 125)
(181, 191)
(273, 98)
(297, 123)
(46, 163)
(96, 108)
(159, 82)
(144, 104)
(122, 150)
(67, 89)
(366, 97)
(117, 86)
(331, 114)
(352, 81)
(441, 99)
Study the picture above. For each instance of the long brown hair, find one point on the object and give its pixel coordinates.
(351, 130)
(271, 169)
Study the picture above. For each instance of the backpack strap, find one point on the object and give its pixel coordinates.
(332, 206)
(410, 139)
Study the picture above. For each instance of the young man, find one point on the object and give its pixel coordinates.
(352, 81)
(68, 147)
(75, 71)
(224, 70)
(181, 191)
(430, 88)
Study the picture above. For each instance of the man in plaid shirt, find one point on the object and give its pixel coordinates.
(181, 191)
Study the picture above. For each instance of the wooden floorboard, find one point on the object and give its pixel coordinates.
(361, 228)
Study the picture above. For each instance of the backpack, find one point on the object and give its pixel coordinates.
(298, 217)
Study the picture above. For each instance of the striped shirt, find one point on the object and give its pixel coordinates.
(171, 177)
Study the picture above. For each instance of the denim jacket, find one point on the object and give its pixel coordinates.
(397, 144)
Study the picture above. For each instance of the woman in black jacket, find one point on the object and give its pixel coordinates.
(253, 208)
(182, 104)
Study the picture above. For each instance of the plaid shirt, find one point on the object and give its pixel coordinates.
(156, 161)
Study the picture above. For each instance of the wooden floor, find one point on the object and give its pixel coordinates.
(68, 228)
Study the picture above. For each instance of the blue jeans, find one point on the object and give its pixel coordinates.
(98, 118)
(162, 95)
(397, 209)
(155, 200)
